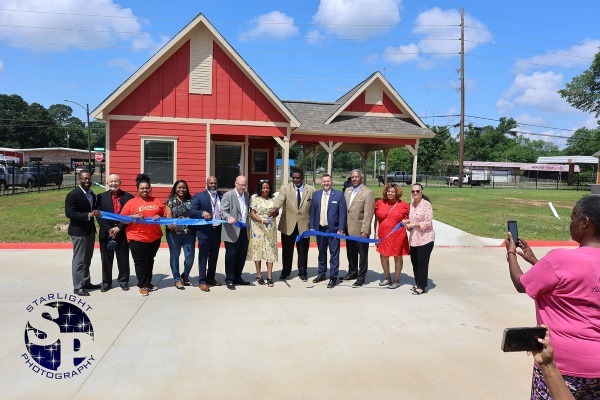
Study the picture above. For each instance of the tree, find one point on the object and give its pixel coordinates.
(584, 142)
(583, 92)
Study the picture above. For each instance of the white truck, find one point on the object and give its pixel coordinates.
(473, 177)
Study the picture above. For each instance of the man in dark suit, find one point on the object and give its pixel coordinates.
(80, 206)
(112, 234)
(328, 214)
(207, 205)
(235, 207)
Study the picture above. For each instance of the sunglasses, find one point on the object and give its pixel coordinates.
(415, 191)
(264, 181)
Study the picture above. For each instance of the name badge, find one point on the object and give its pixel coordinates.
(334, 202)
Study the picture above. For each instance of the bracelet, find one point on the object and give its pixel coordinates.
(510, 252)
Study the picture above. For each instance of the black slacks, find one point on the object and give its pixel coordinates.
(143, 258)
(419, 258)
(108, 257)
(358, 259)
(235, 257)
(287, 253)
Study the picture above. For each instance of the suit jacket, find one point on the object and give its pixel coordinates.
(203, 202)
(230, 207)
(336, 211)
(104, 203)
(360, 212)
(77, 209)
(291, 214)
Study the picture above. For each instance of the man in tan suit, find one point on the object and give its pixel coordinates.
(295, 199)
(361, 206)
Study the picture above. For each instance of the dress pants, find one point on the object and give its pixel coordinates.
(108, 257)
(323, 243)
(235, 257)
(83, 250)
(208, 254)
(419, 258)
(143, 258)
(358, 259)
(287, 253)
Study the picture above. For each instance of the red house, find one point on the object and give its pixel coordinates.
(196, 108)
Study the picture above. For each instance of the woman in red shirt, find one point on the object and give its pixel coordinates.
(144, 239)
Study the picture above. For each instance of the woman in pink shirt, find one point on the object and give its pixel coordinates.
(565, 285)
(420, 226)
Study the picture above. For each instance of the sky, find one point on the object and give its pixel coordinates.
(517, 53)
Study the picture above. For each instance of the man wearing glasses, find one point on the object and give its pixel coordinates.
(295, 200)
(234, 208)
(361, 206)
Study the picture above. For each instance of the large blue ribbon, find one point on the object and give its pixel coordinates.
(312, 232)
(167, 221)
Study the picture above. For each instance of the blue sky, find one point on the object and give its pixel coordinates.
(518, 53)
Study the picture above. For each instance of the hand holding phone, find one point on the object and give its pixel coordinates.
(523, 339)
(514, 231)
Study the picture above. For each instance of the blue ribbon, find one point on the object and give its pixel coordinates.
(312, 232)
(167, 221)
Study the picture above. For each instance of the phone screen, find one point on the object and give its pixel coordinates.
(512, 228)
(522, 339)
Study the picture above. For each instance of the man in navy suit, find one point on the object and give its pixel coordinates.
(80, 206)
(112, 234)
(207, 205)
(328, 214)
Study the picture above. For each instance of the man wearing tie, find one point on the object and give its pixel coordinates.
(295, 198)
(234, 208)
(361, 206)
(207, 205)
(328, 214)
(80, 206)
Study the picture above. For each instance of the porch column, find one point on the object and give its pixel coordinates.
(386, 157)
(415, 152)
(329, 148)
(364, 155)
(285, 144)
(314, 164)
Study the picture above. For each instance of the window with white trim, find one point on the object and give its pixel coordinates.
(159, 160)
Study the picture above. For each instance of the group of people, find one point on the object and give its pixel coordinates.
(565, 285)
(246, 224)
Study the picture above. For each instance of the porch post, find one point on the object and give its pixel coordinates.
(415, 152)
(330, 148)
(285, 144)
(386, 157)
(314, 164)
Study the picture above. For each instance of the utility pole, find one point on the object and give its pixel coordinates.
(461, 147)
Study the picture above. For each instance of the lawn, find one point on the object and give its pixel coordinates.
(39, 217)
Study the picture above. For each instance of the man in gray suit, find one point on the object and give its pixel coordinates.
(234, 208)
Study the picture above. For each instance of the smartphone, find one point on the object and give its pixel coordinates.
(512, 228)
(523, 339)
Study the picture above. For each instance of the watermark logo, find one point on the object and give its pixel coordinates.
(59, 336)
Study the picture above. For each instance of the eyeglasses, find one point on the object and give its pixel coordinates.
(415, 191)
(264, 181)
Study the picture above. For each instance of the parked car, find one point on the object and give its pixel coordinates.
(84, 168)
(399, 176)
(45, 174)
(10, 176)
(64, 168)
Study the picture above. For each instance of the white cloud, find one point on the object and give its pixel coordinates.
(61, 24)
(591, 122)
(580, 55)
(314, 37)
(441, 32)
(525, 118)
(357, 19)
(401, 54)
(274, 24)
(538, 90)
(1, 65)
(122, 63)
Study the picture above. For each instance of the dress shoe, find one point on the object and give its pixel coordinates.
(242, 283)
(230, 286)
(81, 292)
(179, 285)
(144, 292)
(105, 287)
(204, 287)
(151, 287)
(331, 284)
(124, 288)
(91, 286)
(186, 280)
(358, 283)
(283, 277)
(304, 277)
(213, 282)
(348, 277)
(319, 278)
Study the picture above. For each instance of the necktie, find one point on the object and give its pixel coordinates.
(324, 203)
(299, 199)
(216, 211)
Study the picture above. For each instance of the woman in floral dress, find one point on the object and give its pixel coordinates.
(263, 232)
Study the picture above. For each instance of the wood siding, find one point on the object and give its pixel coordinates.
(166, 93)
(125, 152)
(388, 106)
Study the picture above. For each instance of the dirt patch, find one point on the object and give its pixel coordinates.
(61, 227)
(536, 203)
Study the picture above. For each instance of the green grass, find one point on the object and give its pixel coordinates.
(40, 217)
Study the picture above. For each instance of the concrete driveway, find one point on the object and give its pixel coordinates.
(296, 340)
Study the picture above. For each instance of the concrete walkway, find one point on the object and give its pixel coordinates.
(296, 340)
